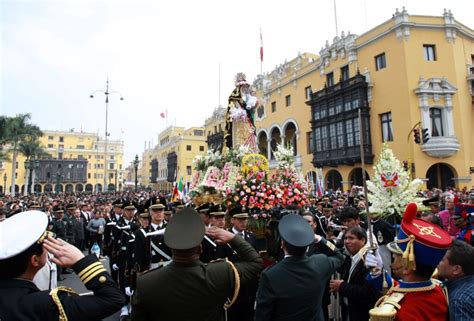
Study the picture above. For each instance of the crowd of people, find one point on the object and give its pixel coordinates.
(184, 261)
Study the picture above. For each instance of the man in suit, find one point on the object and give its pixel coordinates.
(293, 289)
(186, 288)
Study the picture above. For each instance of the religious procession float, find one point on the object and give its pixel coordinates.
(239, 175)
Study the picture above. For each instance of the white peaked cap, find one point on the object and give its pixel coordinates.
(21, 231)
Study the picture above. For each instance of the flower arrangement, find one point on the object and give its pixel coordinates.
(254, 163)
(253, 192)
(284, 156)
(202, 162)
(391, 198)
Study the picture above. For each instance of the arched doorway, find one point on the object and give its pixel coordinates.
(17, 189)
(22, 189)
(79, 187)
(58, 188)
(290, 137)
(275, 140)
(99, 188)
(333, 180)
(37, 188)
(69, 188)
(1, 189)
(356, 177)
(111, 187)
(263, 143)
(48, 188)
(89, 188)
(440, 175)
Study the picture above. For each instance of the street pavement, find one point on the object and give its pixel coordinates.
(73, 281)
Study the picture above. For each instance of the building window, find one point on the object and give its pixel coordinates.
(345, 73)
(309, 142)
(317, 138)
(88, 175)
(111, 166)
(61, 139)
(332, 136)
(50, 137)
(274, 106)
(387, 131)
(188, 170)
(198, 132)
(436, 122)
(80, 157)
(324, 137)
(260, 111)
(50, 146)
(349, 133)
(288, 100)
(340, 135)
(380, 62)
(188, 148)
(201, 148)
(429, 52)
(80, 147)
(308, 92)
(330, 79)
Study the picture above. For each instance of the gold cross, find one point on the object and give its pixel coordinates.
(426, 230)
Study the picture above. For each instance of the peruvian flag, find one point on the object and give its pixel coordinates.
(261, 46)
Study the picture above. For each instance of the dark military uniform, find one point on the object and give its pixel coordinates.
(192, 291)
(159, 251)
(21, 300)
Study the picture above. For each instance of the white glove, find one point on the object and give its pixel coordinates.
(115, 267)
(128, 292)
(317, 238)
(373, 261)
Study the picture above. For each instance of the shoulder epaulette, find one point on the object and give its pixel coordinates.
(91, 271)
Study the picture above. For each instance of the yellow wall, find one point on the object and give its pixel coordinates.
(392, 89)
(76, 145)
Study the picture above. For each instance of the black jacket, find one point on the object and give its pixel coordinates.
(21, 300)
(293, 289)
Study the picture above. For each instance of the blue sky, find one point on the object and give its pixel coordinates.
(161, 55)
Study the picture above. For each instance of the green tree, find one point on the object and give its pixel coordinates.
(15, 130)
(31, 149)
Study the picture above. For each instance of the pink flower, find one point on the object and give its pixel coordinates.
(255, 216)
(264, 215)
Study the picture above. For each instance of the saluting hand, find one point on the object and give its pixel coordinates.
(65, 254)
(219, 235)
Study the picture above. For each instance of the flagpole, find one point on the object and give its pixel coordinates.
(335, 17)
(261, 52)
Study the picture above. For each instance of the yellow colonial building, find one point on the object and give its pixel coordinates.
(171, 159)
(409, 72)
(77, 162)
(214, 127)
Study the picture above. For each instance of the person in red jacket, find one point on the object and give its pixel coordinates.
(417, 250)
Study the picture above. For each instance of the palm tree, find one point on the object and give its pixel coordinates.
(31, 149)
(15, 130)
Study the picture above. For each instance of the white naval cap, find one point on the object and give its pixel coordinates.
(21, 231)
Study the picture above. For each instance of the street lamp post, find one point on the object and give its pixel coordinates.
(58, 178)
(34, 166)
(5, 183)
(135, 164)
(106, 93)
(27, 177)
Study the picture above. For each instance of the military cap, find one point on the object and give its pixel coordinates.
(185, 231)
(117, 203)
(431, 201)
(128, 206)
(327, 206)
(203, 208)
(239, 212)
(71, 206)
(157, 207)
(35, 205)
(21, 231)
(421, 241)
(145, 214)
(217, 210)
(295, 231)
(168, 212)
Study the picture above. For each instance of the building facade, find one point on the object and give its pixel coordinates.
(171, 159)
(77, 162)
(409, 72)
(214, 127)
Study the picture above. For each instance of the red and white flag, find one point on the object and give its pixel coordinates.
(261, 46)
(164, 114)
